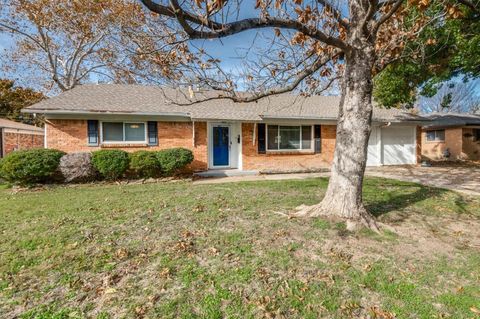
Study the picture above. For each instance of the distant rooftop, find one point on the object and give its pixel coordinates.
(4, 123)
(155, 100)
(452, 119)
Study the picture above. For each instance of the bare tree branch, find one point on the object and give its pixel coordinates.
(301, 76)
(471, 5)
(336, 13)
(387, 15)
(228, 29)
(21, 33)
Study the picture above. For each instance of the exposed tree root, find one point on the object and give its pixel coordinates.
(355, 218)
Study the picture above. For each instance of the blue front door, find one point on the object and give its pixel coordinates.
(221, 141)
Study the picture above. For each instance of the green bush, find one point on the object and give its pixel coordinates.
(144, 164)
(171, 160)
(111, 164)
(30, 166)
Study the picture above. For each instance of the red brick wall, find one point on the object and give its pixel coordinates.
(434, 150)
(21, 141)
(71, 136)
(287, 161)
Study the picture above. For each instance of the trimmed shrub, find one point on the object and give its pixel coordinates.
(144, 164)
(174, 159)
(32, 166)
(77, 167)
(111, 164)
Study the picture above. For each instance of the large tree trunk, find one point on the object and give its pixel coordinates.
(343, 198)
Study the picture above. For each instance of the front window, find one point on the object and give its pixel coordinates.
(117, 132)
(282, 137)
(436, 136)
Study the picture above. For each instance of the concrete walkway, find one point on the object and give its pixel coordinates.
(464, 179)
(258, 177)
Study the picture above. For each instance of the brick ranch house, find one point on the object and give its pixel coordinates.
(279, 133)
(18, 136)
(454, 134)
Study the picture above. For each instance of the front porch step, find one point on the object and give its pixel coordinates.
(225, 173)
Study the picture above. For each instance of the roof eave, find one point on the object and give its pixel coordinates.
(287, 117)
(84, 112)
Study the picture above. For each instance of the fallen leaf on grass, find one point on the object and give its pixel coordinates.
(121, 253)
(73, 245)
(212, 251)
(378, 313)
(475, 310)
(109, 291)
(165, 272)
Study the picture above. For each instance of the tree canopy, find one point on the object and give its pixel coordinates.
(60, 44)
(14, 98)
(445, 49)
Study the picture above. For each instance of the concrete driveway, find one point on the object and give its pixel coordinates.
(464, 179)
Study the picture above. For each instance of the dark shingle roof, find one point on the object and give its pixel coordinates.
(154, 100)
(452, 119)
(18, 126)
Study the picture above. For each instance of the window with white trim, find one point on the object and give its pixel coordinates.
(436, 136)
(124, 132)
(289, 137)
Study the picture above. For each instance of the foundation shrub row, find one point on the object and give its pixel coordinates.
(49, 165)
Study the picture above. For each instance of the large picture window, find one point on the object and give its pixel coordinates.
(118, 132)
(282, 137)
(436, 136)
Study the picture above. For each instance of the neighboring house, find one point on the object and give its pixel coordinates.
(451, 136)
(279, 133)
(18, 136)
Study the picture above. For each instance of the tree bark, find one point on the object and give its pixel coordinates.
(343, 198)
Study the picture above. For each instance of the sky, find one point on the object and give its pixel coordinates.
(225, 49)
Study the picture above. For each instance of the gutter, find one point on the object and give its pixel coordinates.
(204, 119)
(274, 117)
(379, 120)
(67, 112)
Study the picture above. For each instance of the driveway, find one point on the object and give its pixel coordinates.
(464, 179)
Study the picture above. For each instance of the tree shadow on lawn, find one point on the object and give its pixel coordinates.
(400, 197)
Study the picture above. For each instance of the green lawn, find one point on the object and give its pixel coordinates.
(177, 250)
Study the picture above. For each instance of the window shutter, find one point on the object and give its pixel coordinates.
(92, 127)
(152, 133)
(261, 138)
(317, 137)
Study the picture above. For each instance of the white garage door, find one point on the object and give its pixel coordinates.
(373, 153)
(398, 145)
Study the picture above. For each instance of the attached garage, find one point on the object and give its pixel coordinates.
(392, 145)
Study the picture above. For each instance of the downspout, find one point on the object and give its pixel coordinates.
(2, 143)
(193, 133)
(254, 133)
(45, 134)
(18, 140)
